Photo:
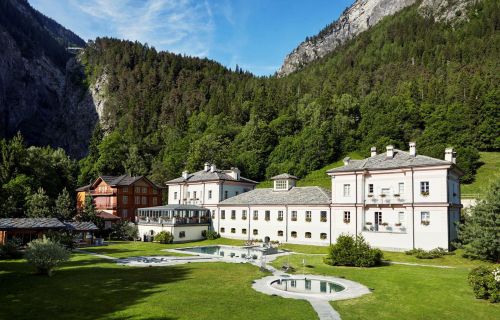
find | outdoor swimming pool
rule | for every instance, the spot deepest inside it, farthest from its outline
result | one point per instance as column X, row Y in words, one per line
column 251, row 252
column 307, row 286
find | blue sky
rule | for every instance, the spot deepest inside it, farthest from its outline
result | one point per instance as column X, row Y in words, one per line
column 255, row 34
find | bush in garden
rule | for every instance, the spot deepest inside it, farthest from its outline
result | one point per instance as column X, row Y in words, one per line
column 431, row 254
column 46, row 255
column 124, row 230
column 210, row 234
column 353, row 251
column 11, row 249
column 485, row 282
column 62, row 237
column 164, row 237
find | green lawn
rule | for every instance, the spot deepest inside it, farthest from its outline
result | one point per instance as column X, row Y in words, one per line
column 485, row 174
column 91, row 288
column 87, row 287
column 403, row 292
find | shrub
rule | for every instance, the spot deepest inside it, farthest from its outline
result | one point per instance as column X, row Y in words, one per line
column 164, row 237
column 210, row 234
column 46, row 255
column 11, row 249
column 485, row 282
column 431, row 254
column 62, row 237
column 353, row 251
column 124, row 230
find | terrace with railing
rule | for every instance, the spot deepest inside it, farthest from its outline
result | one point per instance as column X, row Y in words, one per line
column 173, row 215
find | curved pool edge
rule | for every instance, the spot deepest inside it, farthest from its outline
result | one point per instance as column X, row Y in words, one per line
column 351, row 289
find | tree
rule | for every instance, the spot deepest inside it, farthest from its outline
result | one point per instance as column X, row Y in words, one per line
column 45, row 255
column 38, row 205
column 64, row 208
column 164, row 237
column 481, row 228
column 353, row 251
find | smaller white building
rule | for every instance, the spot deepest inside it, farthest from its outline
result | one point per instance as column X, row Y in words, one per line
column 185, row 222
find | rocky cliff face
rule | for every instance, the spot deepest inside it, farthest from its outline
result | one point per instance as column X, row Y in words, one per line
column 41, row 85
column 362, row 15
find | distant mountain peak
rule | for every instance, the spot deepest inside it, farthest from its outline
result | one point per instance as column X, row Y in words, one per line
column 359, row 17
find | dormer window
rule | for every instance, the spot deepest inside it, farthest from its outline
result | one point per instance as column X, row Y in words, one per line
column 284, row 182
column 280, row 185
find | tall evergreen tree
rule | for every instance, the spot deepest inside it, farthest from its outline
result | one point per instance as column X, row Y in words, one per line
column 38, row 205
column 64, row 208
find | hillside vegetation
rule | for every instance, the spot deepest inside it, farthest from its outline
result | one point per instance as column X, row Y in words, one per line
column 486, row 174
column 408, row 78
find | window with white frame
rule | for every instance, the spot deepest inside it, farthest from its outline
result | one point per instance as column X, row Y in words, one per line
column 308, row 235
column 424, row 187
column 233, row 214
column 280, row 233
column 223, row 214
column 182, row 234
column 347, row 190
column 280, row 184
column 255, row 232
column 385, row 191
column 267, row 216
column 323, row 216
column 294, row 234
column 401, row 218
column 175, row 195
column 222, row 230
column 370, row 188
column 213, row 214
column 243, row 214
column 137, row 200
column 378, row 218
column 233, row 230
column 194, row 194
column 308, row 216
column 323, row 236
column 209, row 194
column 137, row 189
column 425, row 218
column 256, row 214
column 188, row 195
column 347, row 217
column 280, row 215
column 243, row 231
column 144, row 190
column 401, row 188
column 294, row 215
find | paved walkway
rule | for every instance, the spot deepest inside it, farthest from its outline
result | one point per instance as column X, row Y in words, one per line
column 96, row 254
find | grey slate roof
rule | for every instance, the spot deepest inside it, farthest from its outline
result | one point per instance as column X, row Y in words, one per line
column 80, row 226
column 267, row 196
column 400, row 159
column 84, row 188
column 175, row 207
column 284, row 176
column 203, row 175
column 30, row 223
column 123, row 180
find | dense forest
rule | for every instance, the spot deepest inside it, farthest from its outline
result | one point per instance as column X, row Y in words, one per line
column 408, row 78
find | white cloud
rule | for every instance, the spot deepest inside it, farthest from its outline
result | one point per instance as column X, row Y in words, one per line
column 181, row 26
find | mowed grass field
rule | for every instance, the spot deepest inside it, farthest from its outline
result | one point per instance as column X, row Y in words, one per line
column 88, row 287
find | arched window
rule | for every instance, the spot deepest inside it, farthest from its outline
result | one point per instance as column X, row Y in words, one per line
column 308, row 235
column 294, row 234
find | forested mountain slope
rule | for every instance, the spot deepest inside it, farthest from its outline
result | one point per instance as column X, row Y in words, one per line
column 408, row 78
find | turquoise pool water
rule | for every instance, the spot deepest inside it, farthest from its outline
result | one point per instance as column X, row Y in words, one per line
column 307, row 286
column 252, row 253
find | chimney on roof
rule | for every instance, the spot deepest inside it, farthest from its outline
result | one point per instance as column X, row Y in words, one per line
column 449, row 155
column 207, row 166
column 413, row 149
column 235, row 173
column 213, row 168
column 185, row 174
column 346, row 161
column 373, row 151
column 390, row 151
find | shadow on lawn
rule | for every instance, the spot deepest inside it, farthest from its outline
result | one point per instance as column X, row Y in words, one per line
column 85, row 292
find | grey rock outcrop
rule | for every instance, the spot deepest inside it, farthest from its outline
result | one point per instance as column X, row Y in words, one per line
column 362, row 15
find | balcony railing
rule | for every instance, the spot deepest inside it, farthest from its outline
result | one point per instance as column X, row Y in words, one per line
column 394, row 228
column 103, row 193
column 173, row 221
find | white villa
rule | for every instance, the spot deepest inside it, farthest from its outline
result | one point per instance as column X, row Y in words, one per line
column 397, row 200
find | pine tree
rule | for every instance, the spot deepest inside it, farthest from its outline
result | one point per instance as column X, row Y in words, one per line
column 38, row 205
column 481, row 231
column 64, row 208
